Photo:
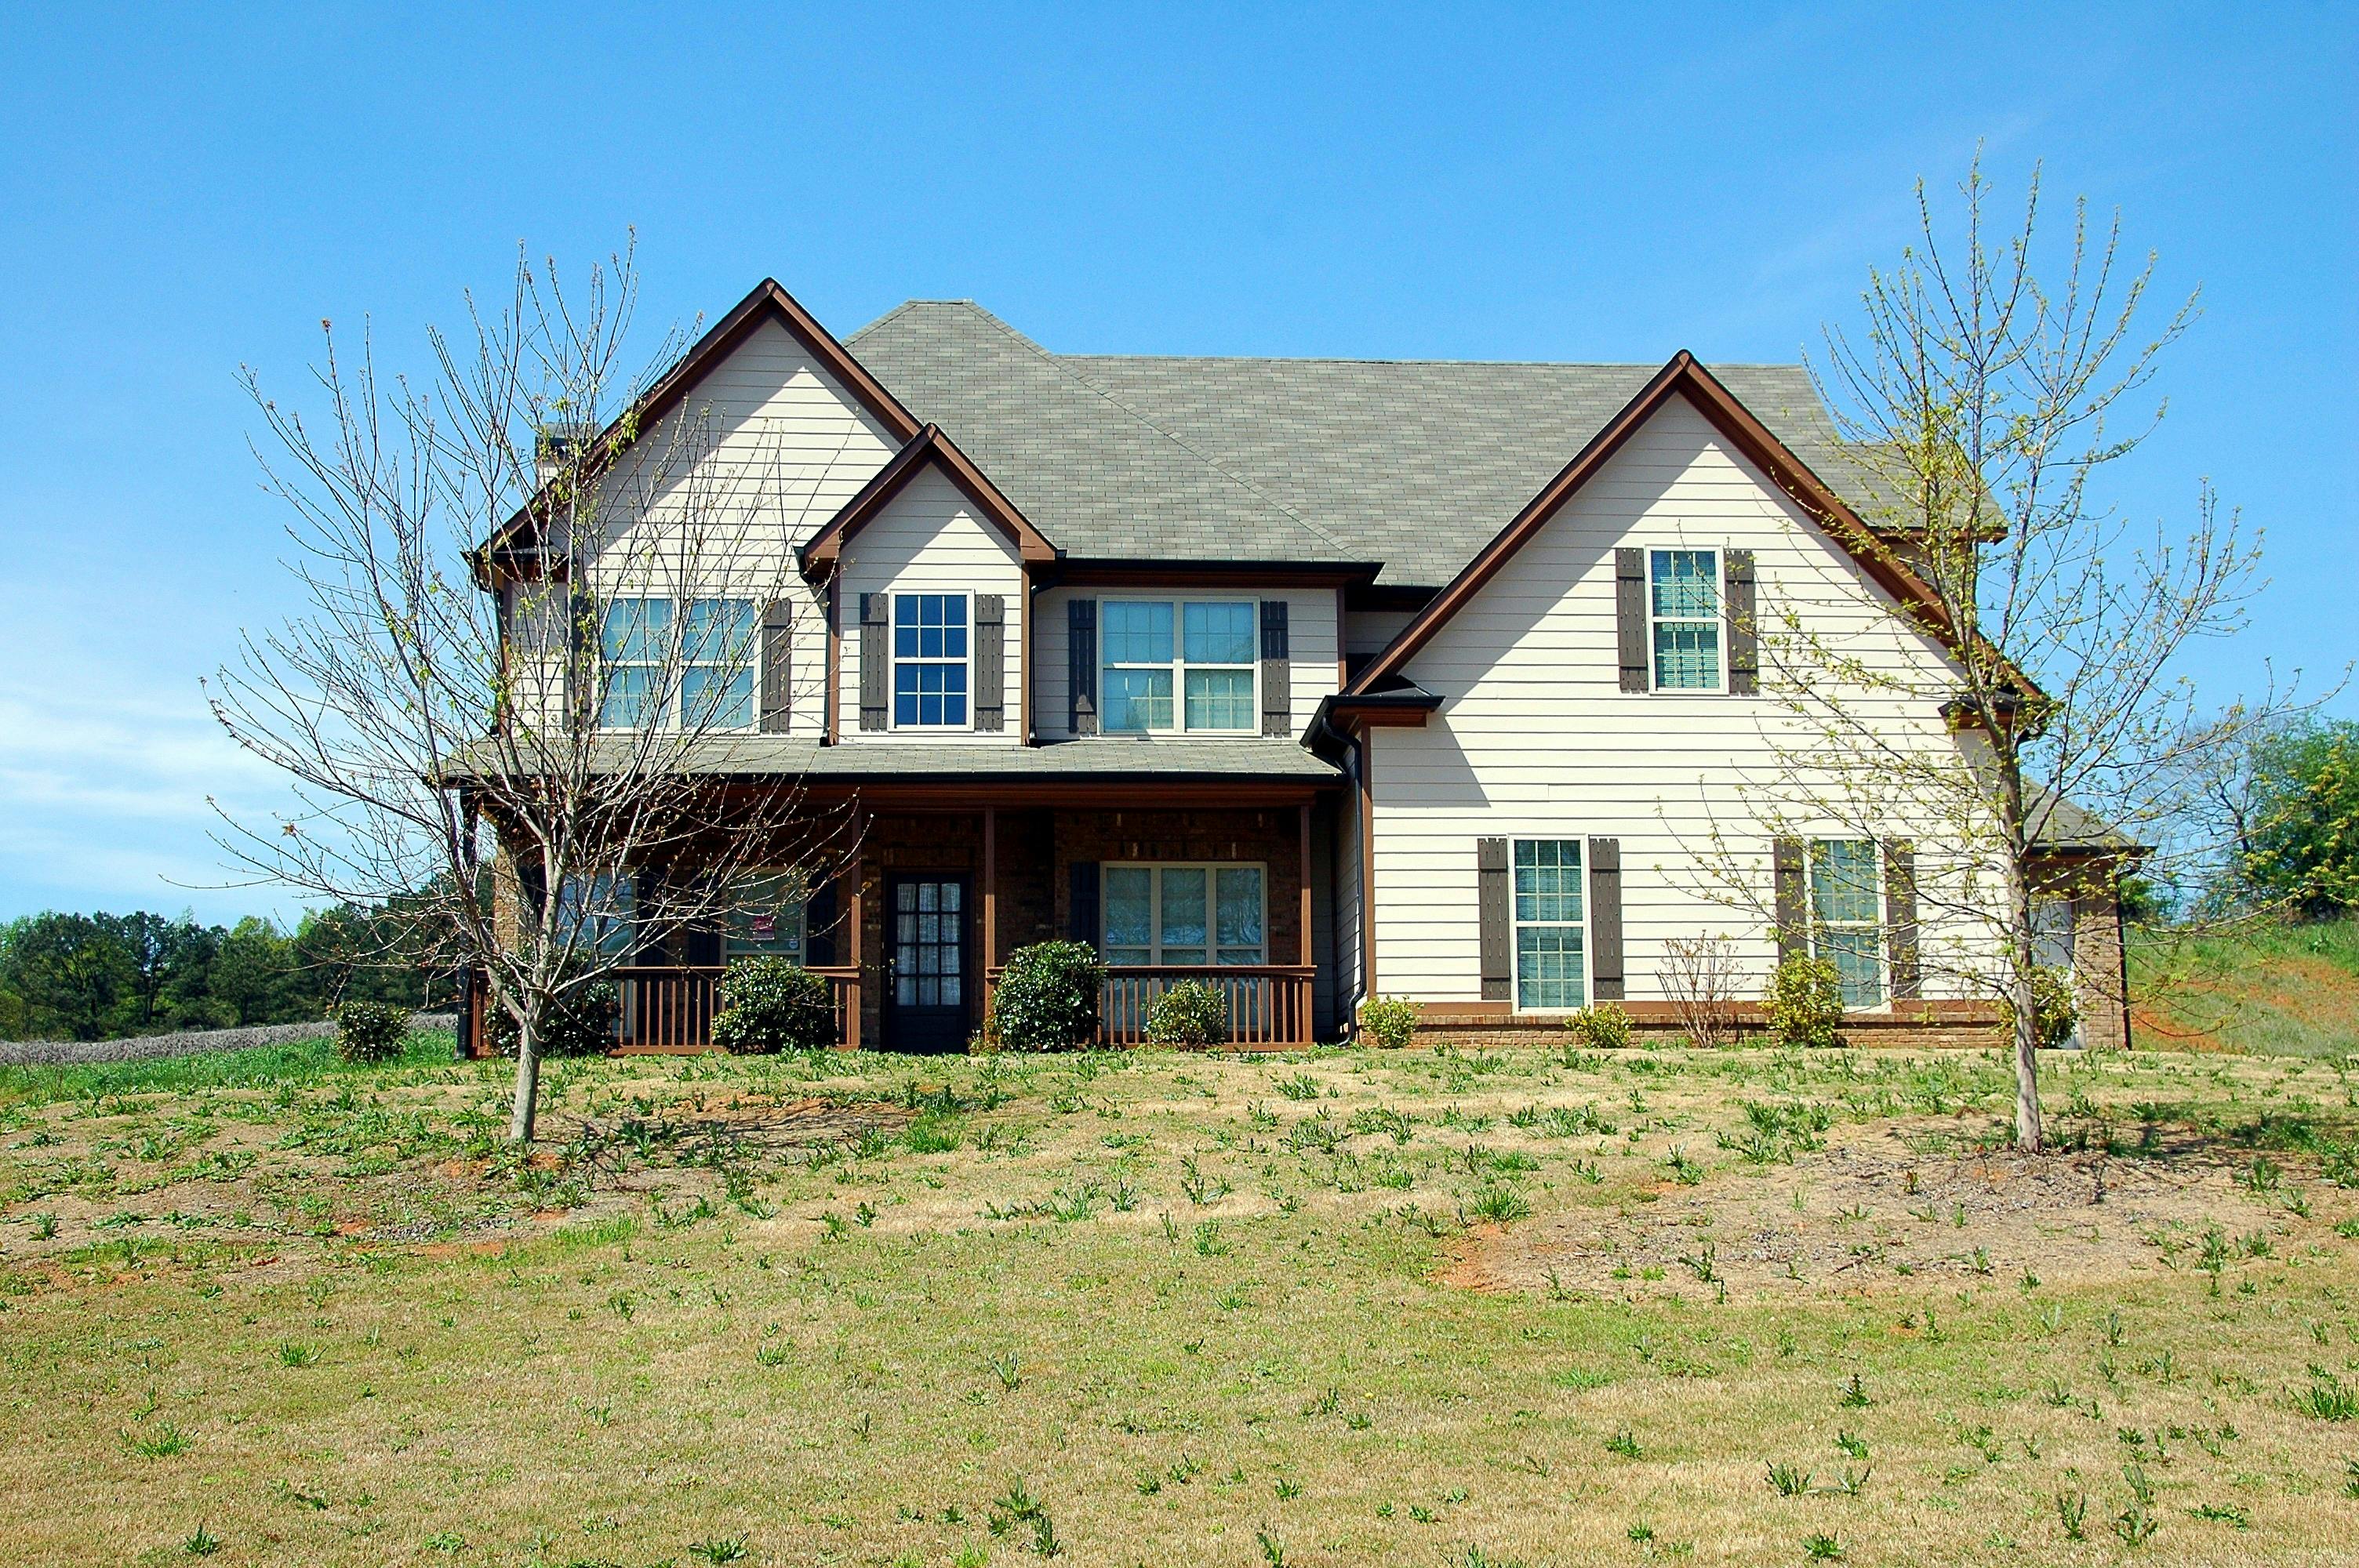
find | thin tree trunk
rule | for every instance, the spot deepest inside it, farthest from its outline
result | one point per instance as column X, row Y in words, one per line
column 527, row 1081
column 2023, row 1002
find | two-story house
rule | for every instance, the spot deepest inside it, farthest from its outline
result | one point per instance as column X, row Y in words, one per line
column 1321, row 679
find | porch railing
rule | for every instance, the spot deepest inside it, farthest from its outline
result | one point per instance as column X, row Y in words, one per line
column 668, row 1008
column 1269, row 1004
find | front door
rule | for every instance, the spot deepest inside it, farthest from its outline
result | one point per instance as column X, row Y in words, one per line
column 925, row 962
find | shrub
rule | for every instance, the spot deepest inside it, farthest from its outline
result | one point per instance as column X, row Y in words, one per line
column 1604, row 1027
column 1047, row 999
column 582, row 1023
column 370, row 1030
column 1389, row 1021
column 1193, row 1013
column 1805, row 1002
column 2055, row 1012
column 769, row 1004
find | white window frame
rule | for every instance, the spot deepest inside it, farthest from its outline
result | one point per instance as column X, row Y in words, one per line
column 796, row 897
column 1178, row 664
column 1517, row 924
column 670, row 652
column 1717, row 621
column 1873, row 925
column 894, row 660
column 1212, row 870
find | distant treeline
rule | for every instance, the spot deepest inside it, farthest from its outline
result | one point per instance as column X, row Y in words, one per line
column 101, row 976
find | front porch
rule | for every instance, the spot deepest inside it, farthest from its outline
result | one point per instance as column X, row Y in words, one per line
column 914, row 934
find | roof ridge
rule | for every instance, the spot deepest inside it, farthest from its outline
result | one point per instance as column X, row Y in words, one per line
column 1647, row 366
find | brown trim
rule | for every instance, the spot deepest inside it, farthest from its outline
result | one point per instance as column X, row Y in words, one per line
column 1373, row 715
column 990, row 888
column 1024, row 671
column 930, row 447
column 1206, row 574
column 834, row 660
column 1343, row 673
column 1682, row 377
column 1367, row 865
column 1389, row 595
column 766, row 302
column 970, row 795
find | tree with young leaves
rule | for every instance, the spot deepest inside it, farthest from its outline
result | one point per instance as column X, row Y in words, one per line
column 1994, row 379
column 482, row 673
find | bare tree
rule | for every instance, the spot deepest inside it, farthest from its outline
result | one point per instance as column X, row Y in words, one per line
column 1699, row 979
column 533, row 627
column 1980, row 404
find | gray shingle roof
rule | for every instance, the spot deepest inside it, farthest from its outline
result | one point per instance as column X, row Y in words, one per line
column 1413, row 463
column 1113, row 758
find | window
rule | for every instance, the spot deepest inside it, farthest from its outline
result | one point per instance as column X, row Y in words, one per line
column 1846, row 926
column 1183, row 915
column 1550, row 970
column 1203, row 653
column 596, row 912
column 716, row 681
column 1683, row 612
column 634, row 640
column 768, row 916
column 714, row 660
column 929, row 660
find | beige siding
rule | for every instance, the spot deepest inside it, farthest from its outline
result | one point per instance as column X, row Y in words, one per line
column 1311, row 647
column 1366, row 631
column 931, row 540
column 1536, row 739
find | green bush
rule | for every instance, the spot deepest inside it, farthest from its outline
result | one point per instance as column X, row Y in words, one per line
column 769, row 1004
column 1603, row 1027
column 582, row 1023
column 370, row 1030
column 1047, row 999
column 1193, row 1013
column 1805, row 1002
column 1388, row 1021
column 2053, row 1006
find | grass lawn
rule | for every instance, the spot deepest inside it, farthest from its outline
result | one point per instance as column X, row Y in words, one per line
column 1450, row 1306
column 2277, row 988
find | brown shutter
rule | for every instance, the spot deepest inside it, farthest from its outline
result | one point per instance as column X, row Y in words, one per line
column 876, row 664
column 1605, row 919
column 1081, row 904
column 1743, row 628
column 778, row 650
column 1630, row 616
column 1786, row 859
column 1900, row 918
column 583, row 660
column 990, row 662
column 1491, row 900
column 1081, row 666
column 1277, row 671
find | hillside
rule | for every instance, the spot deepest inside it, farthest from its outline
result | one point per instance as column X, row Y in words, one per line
column 2291, row 988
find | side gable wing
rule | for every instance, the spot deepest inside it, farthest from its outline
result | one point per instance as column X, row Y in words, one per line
column 1682, row 377
column 931, row 448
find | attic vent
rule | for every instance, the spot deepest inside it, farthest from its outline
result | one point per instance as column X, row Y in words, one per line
column 554, row 447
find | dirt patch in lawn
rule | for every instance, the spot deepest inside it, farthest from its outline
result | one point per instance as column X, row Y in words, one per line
column 1881, row 1206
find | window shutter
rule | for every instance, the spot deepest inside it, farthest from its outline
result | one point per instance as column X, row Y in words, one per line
column 1082, row 907
column 1786, row 859
column 818, row 925
column 1081, row 666
column 1900, row 918
column 876, row 665
column 990, row 662
column 777, row 648
column 1277, row 671
column 1743, row 627
column 646, row 893
column 1491, row 900
column 1630, row 616
column 580, row 659
column 1605, row 919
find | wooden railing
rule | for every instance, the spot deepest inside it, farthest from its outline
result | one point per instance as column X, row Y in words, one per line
column 1269, row 1004
column 671, row 1008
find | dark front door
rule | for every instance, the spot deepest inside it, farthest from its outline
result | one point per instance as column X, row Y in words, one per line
column 926, row 951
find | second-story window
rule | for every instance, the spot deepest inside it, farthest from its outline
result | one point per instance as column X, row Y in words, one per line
column 929, row 661
column 1683, row 608
column 698, row 673
column 1178, row 664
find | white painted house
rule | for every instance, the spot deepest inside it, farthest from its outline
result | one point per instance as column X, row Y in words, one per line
column 1323, row 679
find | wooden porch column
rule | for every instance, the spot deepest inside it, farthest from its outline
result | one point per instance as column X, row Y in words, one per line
column 1304, row 834
column 1304, row 990
column 990, row 888
column 858, row 908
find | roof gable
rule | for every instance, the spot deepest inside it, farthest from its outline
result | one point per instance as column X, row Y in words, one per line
column 931, row 448
column 1684, row 377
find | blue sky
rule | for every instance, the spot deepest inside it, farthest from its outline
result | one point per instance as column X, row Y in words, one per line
column 185, row 191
